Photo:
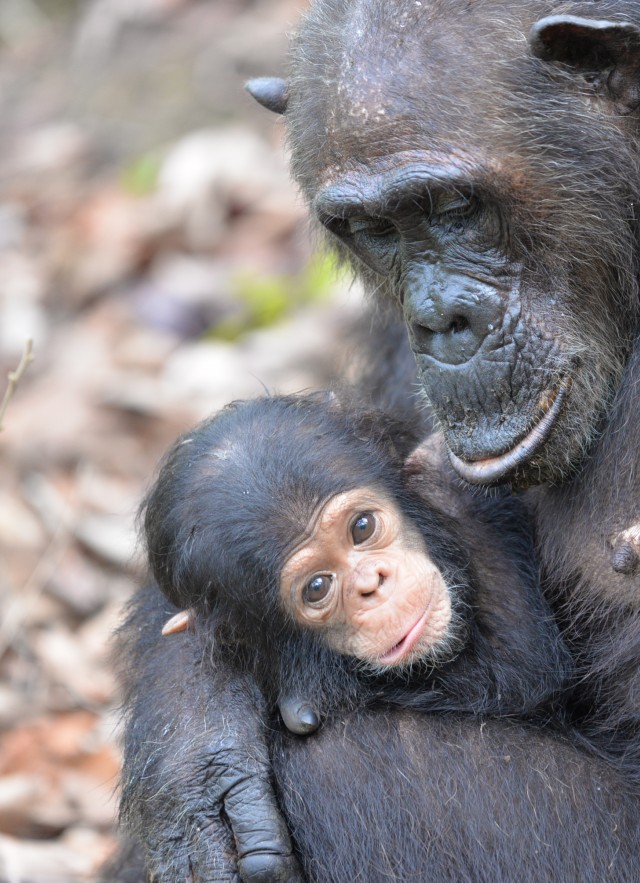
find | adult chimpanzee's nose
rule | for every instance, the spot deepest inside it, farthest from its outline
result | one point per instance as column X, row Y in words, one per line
column 448, row 314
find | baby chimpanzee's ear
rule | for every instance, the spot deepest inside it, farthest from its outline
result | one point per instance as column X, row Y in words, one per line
column 428, row 456
column 181, row 622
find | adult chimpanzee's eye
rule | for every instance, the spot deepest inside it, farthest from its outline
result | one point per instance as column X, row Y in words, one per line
column 377, row 228
column 456, row 205
column 455, row 208
column 363, row 528
column 375, row 240
column 317, row 589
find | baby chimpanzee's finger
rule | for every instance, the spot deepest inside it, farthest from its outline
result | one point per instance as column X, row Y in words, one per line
column 299, row 716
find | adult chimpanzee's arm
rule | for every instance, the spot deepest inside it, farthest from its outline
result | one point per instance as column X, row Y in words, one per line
column 197, row 792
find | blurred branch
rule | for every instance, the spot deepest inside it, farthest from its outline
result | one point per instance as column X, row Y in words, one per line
column 15, row 377
column 15, row 610
column 56, row 514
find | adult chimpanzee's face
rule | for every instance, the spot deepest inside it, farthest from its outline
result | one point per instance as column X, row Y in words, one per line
column 479, row 188
column 495, row 371
column 363, row 577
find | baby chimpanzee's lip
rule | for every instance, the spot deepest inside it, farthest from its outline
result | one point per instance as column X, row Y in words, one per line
column 404, row 646
column 495, row 469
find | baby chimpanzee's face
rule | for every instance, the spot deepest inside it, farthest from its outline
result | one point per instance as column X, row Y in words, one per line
column 363, row 576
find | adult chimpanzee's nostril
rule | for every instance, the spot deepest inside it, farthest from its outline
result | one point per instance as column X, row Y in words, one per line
column 421, row 337
column 458, row 324
column 449, row 315
column 455, row 344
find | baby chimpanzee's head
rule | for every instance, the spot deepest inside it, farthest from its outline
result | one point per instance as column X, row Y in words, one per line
column 291, row 514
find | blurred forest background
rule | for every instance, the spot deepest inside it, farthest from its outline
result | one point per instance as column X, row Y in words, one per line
column 154, row 250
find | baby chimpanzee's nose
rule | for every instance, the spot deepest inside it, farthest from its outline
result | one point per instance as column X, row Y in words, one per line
column 369, row 576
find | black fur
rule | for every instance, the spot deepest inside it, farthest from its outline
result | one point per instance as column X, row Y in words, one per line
column 372, row 796
column 452, row 799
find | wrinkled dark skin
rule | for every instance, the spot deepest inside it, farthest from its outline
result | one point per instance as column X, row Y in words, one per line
column 478, row 164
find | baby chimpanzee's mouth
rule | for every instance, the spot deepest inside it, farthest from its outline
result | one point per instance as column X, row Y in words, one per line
column 494, row 469
column 400, row 650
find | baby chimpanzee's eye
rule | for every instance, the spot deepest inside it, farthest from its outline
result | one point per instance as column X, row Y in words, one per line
column 317, row 588
column 363, row 528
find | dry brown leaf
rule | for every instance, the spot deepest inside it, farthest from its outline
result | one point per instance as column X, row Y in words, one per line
column 56, row 772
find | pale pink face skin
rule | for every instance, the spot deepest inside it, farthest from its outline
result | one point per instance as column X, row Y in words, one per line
column 365, row 578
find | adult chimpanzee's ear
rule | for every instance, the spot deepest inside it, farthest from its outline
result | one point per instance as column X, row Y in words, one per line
column 270, row 92
column 608, row 51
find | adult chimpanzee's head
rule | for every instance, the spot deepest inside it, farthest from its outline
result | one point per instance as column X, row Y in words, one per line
column 478, row 161
column 290, row 515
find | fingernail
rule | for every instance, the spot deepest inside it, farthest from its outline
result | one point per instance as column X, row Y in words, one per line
column 308, row 717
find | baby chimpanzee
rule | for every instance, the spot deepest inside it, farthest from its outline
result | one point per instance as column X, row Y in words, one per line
column 338, row 561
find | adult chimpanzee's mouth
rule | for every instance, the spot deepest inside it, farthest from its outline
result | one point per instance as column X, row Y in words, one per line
column 404, row 646
column 494, row 469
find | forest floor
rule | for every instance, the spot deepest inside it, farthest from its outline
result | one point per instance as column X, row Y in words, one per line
column 155, row 252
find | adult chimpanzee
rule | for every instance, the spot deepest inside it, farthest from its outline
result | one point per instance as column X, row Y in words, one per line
column 333, row 572
column 479, row 162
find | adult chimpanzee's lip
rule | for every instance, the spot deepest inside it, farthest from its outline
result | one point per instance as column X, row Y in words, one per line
column 493, row 469
column 404, row 646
